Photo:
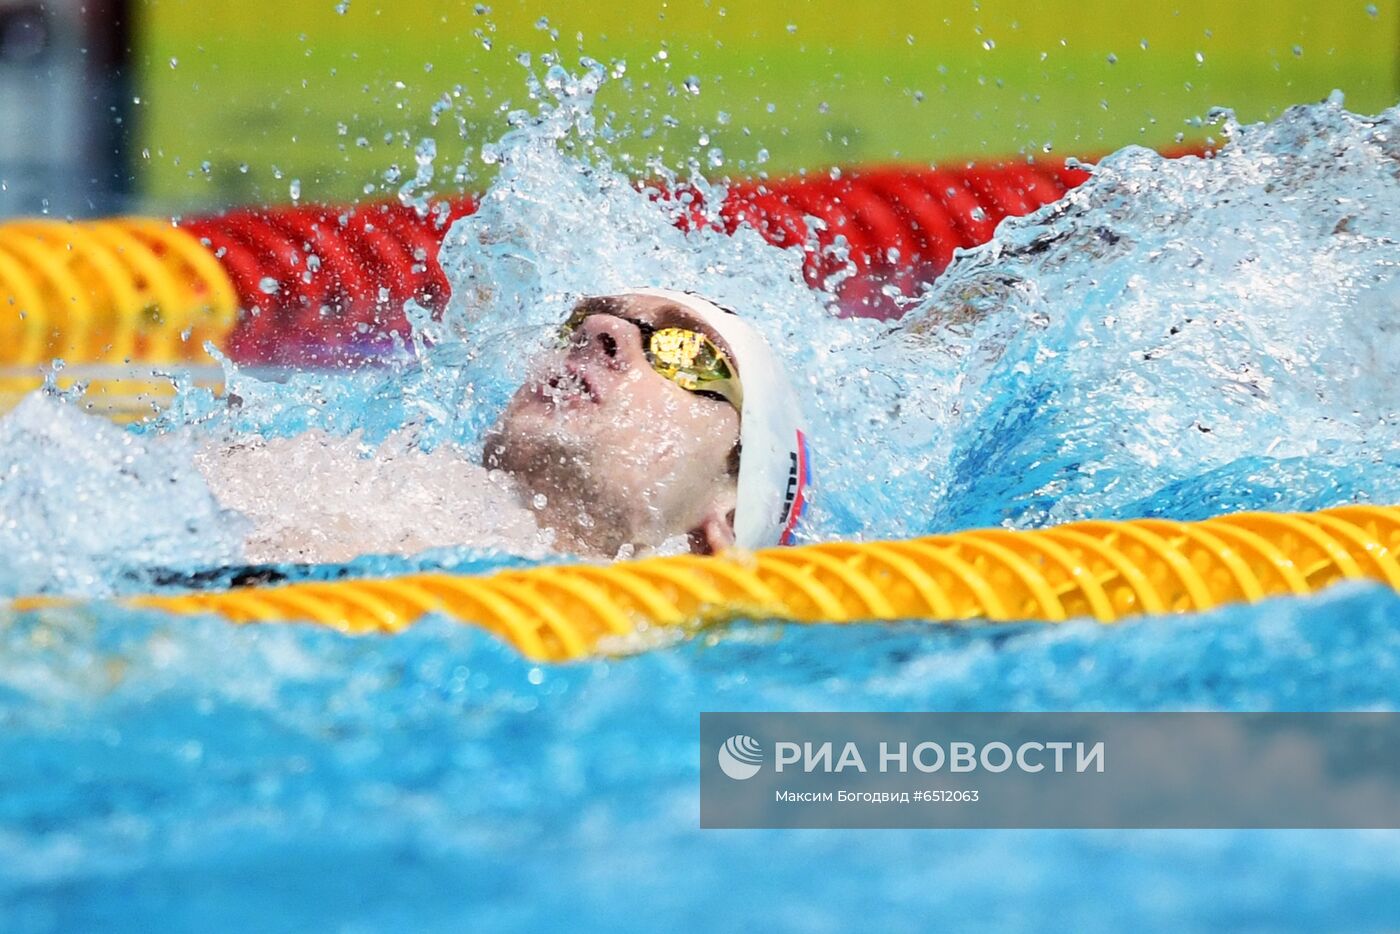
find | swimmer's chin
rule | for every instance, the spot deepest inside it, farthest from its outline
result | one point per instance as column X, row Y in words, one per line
column 564, row 543
column 569, row 529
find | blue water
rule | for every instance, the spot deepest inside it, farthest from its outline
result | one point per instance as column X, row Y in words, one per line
column 163, row 774
column 1173, row 339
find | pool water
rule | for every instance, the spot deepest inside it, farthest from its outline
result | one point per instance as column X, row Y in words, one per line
column 1173, row 339
column 165, row 773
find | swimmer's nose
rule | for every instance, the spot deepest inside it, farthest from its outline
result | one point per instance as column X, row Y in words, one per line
column 617, row 341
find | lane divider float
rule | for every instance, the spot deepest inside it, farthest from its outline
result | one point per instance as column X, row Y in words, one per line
column 110, row 295
column 1102, row 570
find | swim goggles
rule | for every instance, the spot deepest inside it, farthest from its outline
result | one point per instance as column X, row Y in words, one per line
column 686, row 357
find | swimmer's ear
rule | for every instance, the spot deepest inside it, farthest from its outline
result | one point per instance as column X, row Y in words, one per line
column 714, row 534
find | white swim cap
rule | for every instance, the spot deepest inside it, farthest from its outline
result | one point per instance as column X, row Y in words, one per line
column 774, row 472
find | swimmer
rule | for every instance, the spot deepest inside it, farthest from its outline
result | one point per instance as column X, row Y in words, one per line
column 657, row 422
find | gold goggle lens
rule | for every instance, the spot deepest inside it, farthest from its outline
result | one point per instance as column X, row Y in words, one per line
column 693, row 361
column 687, row 351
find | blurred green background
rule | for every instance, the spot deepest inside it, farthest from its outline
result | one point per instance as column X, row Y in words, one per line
column 266, row 100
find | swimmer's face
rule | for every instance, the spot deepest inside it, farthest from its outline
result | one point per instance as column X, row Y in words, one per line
column 620, row 454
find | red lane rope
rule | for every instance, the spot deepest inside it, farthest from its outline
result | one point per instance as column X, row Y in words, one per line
column 325, row 283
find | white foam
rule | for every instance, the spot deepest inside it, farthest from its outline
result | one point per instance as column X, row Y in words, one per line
column 82, row 501
column 318, row 498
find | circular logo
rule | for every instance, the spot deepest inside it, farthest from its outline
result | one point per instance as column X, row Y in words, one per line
column 740, row 757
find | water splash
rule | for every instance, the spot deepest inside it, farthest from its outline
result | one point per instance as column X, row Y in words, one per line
column 84, row 503
column 1174, row 338
column 1228, row 323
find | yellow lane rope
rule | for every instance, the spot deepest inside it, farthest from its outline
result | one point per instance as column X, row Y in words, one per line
column 108, row 293
column 1102, row 570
